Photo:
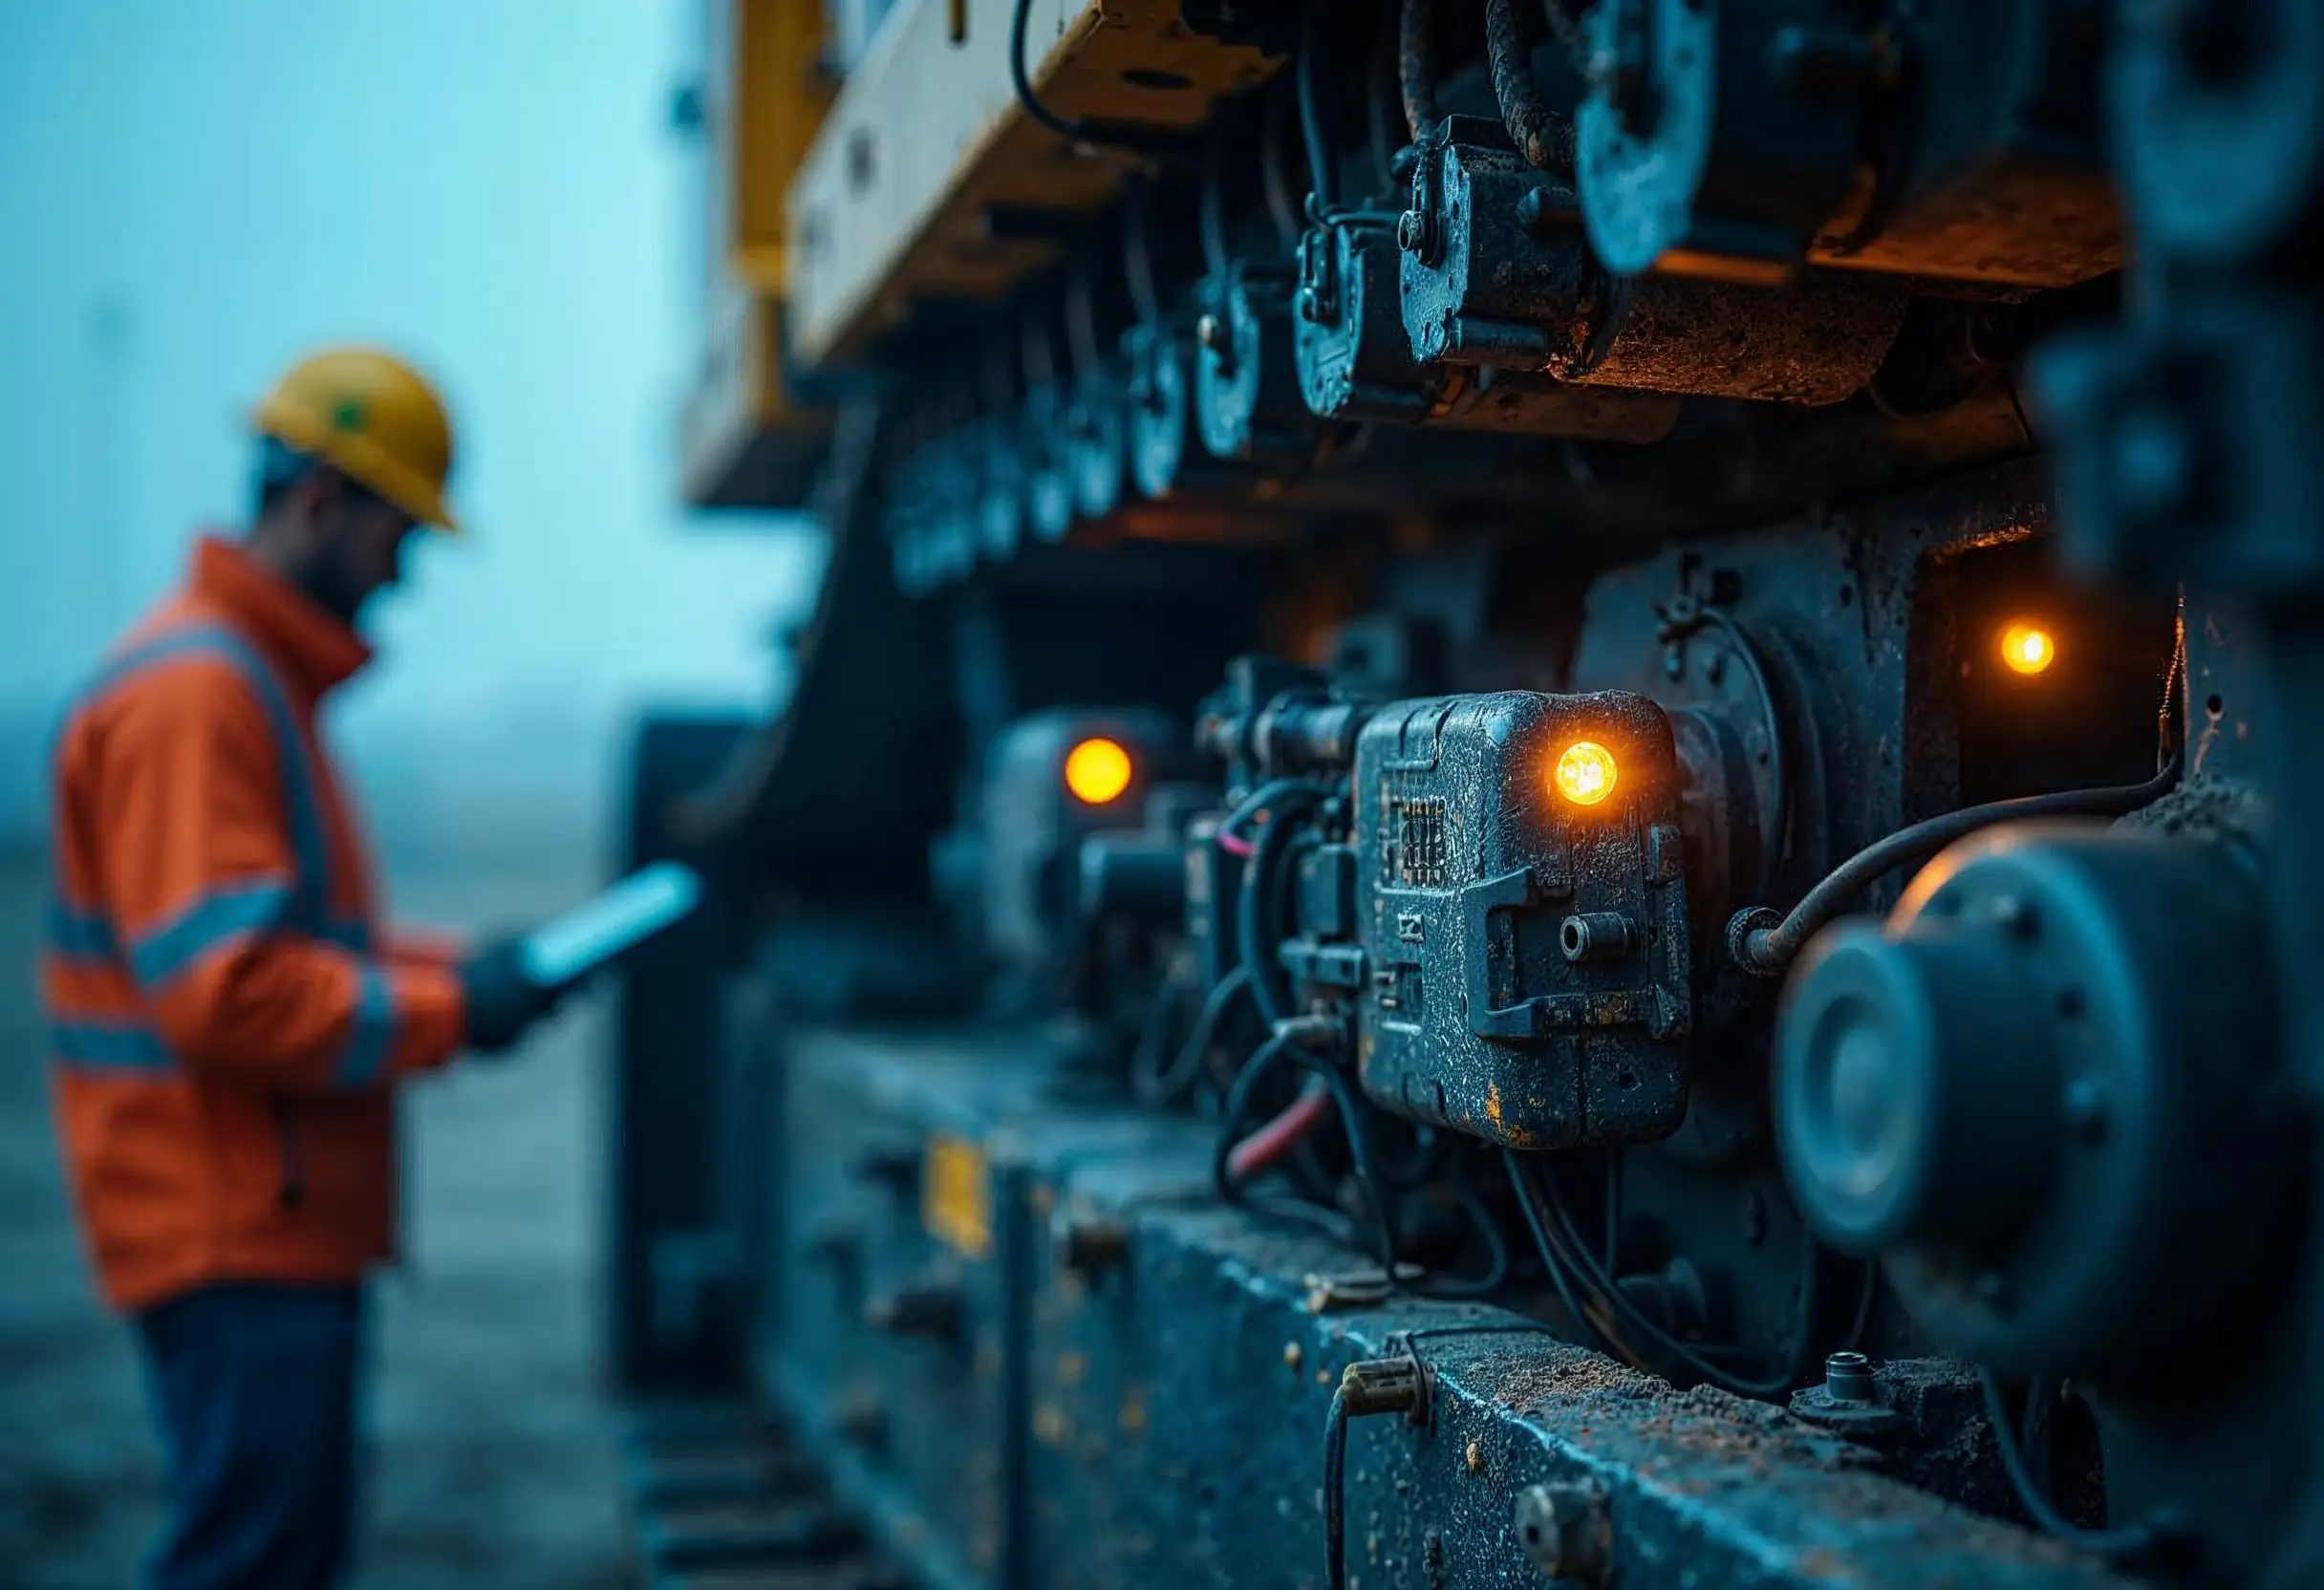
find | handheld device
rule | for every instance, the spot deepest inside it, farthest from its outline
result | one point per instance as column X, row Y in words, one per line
column 650, row 901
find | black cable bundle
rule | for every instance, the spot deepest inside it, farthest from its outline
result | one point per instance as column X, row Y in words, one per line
column 1581, row 1283
column 1281, row 1050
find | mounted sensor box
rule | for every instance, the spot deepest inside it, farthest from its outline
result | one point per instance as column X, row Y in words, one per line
column 1052, row 780
column 1523, row 917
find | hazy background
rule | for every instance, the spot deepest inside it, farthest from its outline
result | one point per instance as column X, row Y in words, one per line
column 191, row 194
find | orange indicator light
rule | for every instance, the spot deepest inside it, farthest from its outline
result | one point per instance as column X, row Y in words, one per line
column 2027, row 649
column 1585, row 773
column 1097, row 771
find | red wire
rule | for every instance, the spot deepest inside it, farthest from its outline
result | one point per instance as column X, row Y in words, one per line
column 1269, row 1145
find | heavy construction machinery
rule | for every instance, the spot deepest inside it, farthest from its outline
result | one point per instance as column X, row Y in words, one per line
column 1546, row 818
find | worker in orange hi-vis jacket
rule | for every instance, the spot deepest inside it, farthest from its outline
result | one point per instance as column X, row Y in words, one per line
column 227, row 1024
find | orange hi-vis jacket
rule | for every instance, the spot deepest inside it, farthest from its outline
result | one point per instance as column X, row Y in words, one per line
column 226, row 1027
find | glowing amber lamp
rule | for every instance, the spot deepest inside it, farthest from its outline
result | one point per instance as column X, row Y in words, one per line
column 1585, row 773
column 2027, row 649
column 1097, row 771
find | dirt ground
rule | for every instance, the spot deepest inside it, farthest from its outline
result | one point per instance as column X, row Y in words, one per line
column 492, row 1458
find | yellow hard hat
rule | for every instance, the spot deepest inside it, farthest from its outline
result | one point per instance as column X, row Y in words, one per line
column 372, row 416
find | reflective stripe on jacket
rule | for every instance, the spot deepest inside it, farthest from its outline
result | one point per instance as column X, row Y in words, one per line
column 223, row 1027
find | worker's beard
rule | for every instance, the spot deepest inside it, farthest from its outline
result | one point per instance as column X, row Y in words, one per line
column 330, row 580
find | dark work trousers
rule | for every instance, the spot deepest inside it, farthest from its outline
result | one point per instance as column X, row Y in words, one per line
column 254, row 1389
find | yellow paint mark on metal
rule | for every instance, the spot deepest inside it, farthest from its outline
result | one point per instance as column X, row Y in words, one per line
column 1070, row 1368
column 1474, row 1457
column 1049, row 1426
column 776, row 96
column 1292, row 1354
column 1133, row 1409
column 1492, row 1102
column 956, row 1197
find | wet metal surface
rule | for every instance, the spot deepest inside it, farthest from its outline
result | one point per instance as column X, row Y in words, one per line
column 1171, row 1430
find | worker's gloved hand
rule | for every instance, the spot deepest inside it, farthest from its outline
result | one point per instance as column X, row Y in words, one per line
column 503, row 999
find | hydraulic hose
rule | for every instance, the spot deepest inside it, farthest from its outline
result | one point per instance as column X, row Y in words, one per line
column 1416, row 67
column 1765, row 943
column 1315, row 117
column 1544, row 138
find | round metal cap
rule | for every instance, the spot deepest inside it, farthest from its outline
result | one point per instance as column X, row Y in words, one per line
column 1913, row 1096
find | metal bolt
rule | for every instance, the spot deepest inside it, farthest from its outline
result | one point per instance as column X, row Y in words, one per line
column 1595, row 936
column 1848, row 1403
column 1310, row 306
column 1567, row 1528
column 1210, row 332
column 1847, row 1377
column 1412, row 230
